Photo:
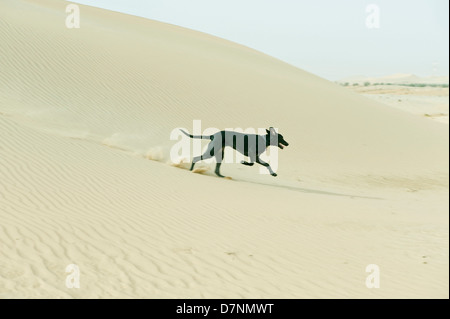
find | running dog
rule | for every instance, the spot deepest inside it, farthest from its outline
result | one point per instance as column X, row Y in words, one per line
column 250, row 145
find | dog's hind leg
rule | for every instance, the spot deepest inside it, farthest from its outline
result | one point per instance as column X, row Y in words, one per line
column 217, row 171
column 206, row 155
column 247, row 163
column 195, row 160
column 219, row 158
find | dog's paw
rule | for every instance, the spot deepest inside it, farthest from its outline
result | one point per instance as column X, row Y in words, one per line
column 246, row 163
column 274, row 175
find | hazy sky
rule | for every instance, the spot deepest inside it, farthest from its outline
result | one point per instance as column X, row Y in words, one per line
column 326, row 37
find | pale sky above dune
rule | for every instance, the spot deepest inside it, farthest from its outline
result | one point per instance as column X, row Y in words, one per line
column 328, row 38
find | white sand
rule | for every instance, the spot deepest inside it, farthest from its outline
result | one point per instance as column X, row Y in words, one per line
column 82, row 109
column 430, row 102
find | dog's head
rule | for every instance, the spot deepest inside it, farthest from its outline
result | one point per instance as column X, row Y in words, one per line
column 276, row 139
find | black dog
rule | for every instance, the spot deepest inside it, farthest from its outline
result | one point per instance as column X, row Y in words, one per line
column 251, row 145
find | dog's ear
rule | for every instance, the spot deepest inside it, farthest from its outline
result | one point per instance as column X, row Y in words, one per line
column 272, row 131
column 268, row 132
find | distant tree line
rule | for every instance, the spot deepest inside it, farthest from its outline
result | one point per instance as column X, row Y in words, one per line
column 416, row 85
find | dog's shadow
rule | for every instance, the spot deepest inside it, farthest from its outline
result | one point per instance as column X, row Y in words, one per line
column 308, row 190
column 206, row 170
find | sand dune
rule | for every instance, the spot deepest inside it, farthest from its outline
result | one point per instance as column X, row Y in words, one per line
column 429, row 102
column 86, row 179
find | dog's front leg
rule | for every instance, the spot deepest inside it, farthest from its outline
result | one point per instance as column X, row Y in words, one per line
column 247, row 163
column 252, row 158
column 267, row 165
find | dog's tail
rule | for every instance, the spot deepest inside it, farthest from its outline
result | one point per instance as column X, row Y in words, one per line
column 205, row 137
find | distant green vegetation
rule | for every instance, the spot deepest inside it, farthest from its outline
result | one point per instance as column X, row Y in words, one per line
column 422, row 85
column 416, row 85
